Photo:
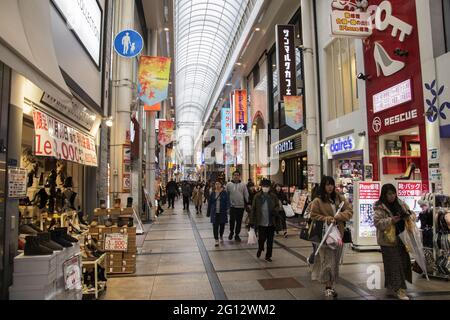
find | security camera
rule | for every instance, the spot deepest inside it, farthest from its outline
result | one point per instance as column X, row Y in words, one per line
column 362, row 76
column 401, row 53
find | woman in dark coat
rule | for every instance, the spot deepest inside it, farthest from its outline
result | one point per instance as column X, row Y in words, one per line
column 218, row 207
column 283, row 202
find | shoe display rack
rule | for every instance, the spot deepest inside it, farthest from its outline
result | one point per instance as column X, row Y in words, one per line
column 122, row 261
column 97, row 284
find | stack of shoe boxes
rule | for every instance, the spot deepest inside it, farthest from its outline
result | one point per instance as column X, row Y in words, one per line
column 34, row 277
column 123, row 262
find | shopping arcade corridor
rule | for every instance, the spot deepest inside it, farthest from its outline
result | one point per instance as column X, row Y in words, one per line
column 177, row 260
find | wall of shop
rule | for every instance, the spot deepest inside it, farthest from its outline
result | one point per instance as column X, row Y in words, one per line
column 74, row 59
column 354, row 121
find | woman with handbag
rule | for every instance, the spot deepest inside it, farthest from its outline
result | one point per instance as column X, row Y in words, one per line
column 391, row 217
column 218, row 207
column 283, row 202
column 325, row 209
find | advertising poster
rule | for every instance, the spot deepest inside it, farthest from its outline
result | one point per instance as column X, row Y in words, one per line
column 293, row 108
column 240, row 111
column 166, row 132
column 349, row 19
column 72, row 274
column 116, row 242
column 154, row 74
column 17, row 183
column 56, row 139
column 368, row 194
column 299, row 201
column 226, row 125
column 368, row 172
column 126, row 182
column 410, row 192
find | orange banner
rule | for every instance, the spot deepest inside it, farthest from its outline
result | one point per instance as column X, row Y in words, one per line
column 155, row 107
column 166, row 132
column 240, row 111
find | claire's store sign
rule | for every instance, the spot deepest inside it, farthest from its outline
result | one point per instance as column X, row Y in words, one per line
column 287, row 79
column 55, row 139
column 342, row 145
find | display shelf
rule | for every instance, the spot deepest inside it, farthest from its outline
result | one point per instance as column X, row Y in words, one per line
column 399, row 164
column 95, row 264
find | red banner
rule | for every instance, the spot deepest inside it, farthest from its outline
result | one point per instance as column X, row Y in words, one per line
column 166, row 132
column 240, row 111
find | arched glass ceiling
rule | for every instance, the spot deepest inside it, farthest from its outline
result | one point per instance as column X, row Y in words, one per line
column 204, row 32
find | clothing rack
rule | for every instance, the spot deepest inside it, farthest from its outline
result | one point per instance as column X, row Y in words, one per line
column 431, row 198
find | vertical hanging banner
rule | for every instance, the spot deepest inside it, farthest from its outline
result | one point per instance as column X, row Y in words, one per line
column 287, row 79
column 293, row 109
column 226, row 125
column 240, row 111
column 154, row 74
column 166, row 132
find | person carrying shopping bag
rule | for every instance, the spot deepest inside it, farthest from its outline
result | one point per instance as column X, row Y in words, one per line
column 325, row 209
column 391, row 217
column 263, row 216
column 218, row 206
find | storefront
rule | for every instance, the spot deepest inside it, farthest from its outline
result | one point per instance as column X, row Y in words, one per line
column 345, row 154
column 395, row 102
column 293, row 163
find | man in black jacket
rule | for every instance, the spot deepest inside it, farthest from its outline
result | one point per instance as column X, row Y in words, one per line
column 263, row 216
column 187, row 193
column 172, row 191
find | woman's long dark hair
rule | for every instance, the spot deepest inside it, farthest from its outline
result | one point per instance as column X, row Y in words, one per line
column 323, row 193
column 394, row 207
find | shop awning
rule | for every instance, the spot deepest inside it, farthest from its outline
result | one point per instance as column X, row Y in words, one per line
column 26, row 45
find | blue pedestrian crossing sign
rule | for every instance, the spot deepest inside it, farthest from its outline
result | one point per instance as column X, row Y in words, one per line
column 128, row 43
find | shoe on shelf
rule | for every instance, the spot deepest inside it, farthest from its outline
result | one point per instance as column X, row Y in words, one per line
column 268, row 259
column 230, row 237
column 401, row 295
column 56, row 236
column 34, row 248
column 237, row 239
column 66, row 236
column 258, row 254
column 217, row 243
column 26, row 229
column 330, row 293
column 45, row 240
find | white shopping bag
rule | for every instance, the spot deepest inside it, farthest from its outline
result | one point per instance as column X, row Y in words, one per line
column 252, row 237
column 289, row 211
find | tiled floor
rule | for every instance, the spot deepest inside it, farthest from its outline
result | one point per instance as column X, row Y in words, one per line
column 177, row 260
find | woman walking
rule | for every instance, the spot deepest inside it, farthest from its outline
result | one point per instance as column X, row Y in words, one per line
column 283, row 202
column 307, row 214
column 218, row 207
column 324, row 208
column 391, row 218
column 197, row 197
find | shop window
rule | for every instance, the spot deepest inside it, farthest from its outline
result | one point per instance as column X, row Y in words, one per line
column 342, row 87
column 446, row 15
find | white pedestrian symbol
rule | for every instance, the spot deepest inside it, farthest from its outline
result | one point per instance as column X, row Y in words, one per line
column 133, row 47
column 126, row 41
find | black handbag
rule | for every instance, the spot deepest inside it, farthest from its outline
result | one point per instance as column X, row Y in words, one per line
column 313, row 232
column 347, row 238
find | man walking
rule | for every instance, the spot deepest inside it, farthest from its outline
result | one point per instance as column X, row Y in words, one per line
column 187, row 192
column 172, row 191
column 238, row 194
column 263, row 217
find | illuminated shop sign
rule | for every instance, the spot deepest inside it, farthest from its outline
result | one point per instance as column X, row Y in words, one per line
column 84, row 17
column 285, row 146
column 287, row 81
column 377, row 123
column 392, row 97
column 342, row 145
